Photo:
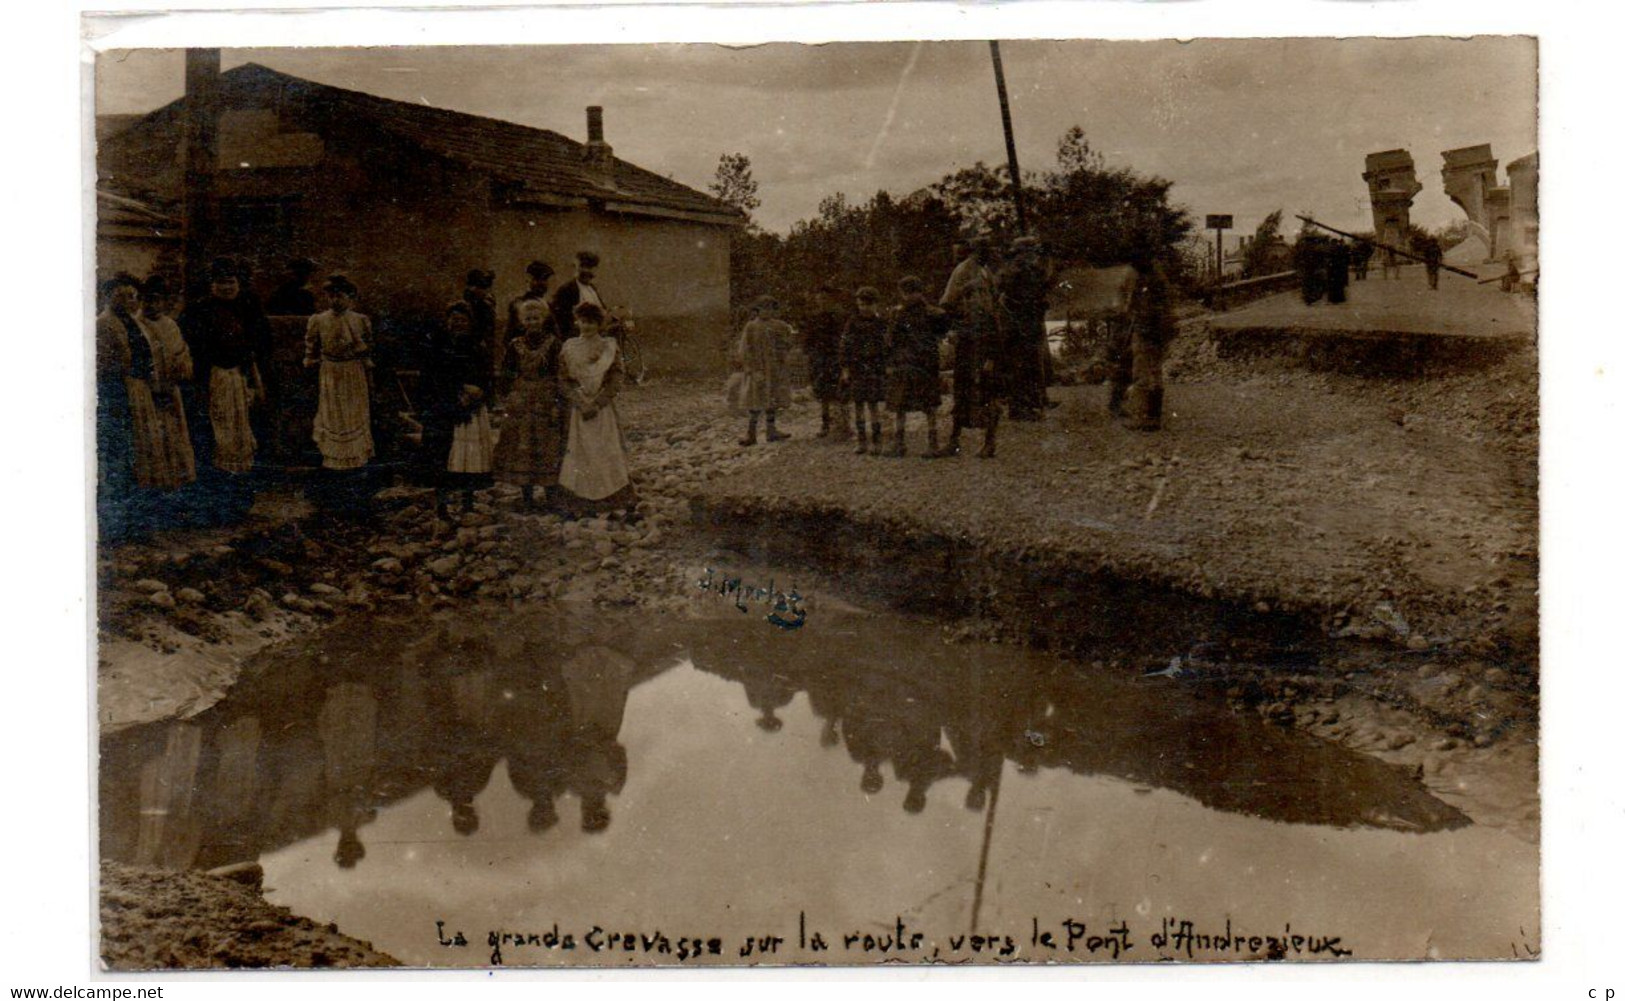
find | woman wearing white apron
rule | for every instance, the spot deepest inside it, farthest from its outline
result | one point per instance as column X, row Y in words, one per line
column 595, row 472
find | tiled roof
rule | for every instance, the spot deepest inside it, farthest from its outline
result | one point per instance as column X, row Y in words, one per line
column 538, row 161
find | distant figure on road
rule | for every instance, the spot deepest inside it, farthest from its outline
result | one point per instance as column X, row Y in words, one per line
column 1309, row 256
column 1337, row 272
column 1361, row 258
column 1513, row 278
column 1390, row 259
column 1432, row 257
column 863, row 366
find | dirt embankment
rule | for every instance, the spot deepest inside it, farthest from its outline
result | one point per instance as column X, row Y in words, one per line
column 154, row 919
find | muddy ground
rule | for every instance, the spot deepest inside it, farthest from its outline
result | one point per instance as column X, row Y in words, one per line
column 1387, row 528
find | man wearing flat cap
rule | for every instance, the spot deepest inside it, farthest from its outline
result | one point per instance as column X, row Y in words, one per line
column 582, row 288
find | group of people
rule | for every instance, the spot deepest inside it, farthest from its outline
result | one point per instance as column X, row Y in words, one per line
column 184, row 403
column 1324, row 264
column 556, row 373
column 991, row 313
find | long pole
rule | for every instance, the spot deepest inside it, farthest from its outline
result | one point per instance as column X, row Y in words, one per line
column 1009, row 139
column 197, row 194
column 1383, row 246
column 987, row 841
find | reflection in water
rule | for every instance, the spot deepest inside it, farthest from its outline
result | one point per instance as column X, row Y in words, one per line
column 387, row 735
column 953, row 711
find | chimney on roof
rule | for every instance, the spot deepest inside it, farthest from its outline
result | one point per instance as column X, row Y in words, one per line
column 600, row 156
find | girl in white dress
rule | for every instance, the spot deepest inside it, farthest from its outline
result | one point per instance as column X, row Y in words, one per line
column 340, row 341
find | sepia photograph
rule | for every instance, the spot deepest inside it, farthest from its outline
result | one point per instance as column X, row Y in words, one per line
column 924, row 502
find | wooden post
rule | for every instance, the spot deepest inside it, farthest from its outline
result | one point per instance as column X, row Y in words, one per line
column 1009, row 140
column 198, row 195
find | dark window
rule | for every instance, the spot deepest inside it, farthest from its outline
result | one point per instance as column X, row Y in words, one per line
column 257, row 220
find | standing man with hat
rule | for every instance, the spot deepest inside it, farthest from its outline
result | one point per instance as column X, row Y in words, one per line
column 970, row 301
column 576, row 291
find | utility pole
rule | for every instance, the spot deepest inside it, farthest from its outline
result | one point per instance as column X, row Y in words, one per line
column 197, row 193
column 1009, row 140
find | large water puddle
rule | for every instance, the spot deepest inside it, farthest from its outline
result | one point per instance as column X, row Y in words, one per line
column 546, row 788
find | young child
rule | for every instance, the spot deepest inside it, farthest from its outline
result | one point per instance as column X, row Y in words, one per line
column 912, row 380
column 863, row 366
column 761, row 353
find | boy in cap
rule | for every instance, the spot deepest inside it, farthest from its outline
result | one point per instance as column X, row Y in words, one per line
column 914, row 349
column 763, row 347
column 863, row 366
column 821, row 330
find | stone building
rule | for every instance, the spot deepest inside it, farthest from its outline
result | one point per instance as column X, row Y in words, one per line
column 1504, row 218
column 1391, row 178
column 407, row 198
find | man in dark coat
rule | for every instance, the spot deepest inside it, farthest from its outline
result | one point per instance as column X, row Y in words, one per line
column 1024, row 288
column 821, row 340
column 293, row 297
column 1337, row 272
column 482, row 310
column 1432, row 258
column 582, row 288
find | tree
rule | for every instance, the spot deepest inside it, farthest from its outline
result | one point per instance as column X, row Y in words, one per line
column 1073, row 153
column 1255, row 261
column 734, row 186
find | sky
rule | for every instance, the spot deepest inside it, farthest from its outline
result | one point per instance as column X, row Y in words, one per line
column 1241, row 126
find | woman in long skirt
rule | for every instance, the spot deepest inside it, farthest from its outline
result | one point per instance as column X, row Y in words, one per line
column 529, row 449
column 123, row 363
column 340, row 341
column 163, row 446
column 457, row 421
column 595, row 469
